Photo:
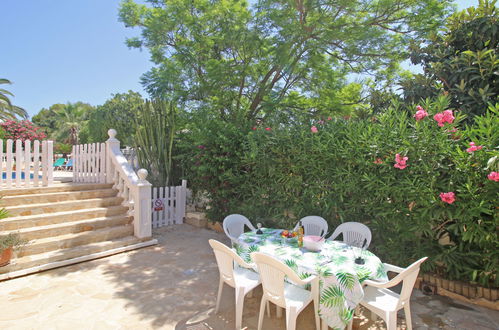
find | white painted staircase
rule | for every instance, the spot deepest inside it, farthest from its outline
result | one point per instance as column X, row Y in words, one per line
column 65, row 224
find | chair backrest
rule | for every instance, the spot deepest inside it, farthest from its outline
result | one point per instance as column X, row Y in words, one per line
column 234, row 225
column 225, row 261
column 272, row 273
column 354, row 233
column 408, row 278
column 69, row 163
column 313, row 225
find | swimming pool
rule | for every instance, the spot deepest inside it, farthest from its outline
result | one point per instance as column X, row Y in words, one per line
column 23, row 175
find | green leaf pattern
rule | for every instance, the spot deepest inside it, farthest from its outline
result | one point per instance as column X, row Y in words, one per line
column 339, row 277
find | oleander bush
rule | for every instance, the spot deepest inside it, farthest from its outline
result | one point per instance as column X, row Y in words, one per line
column 423, row 181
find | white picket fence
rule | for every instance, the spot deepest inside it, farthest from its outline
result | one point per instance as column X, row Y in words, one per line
column 89, row 163
column 168, row 205
column 31, row 164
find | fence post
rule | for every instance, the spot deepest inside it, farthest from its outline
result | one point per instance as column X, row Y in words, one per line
column 142, row 211
column 19, row 161
column 111, row 144
column 50, row 162
column 45, row 180
column 183, row 195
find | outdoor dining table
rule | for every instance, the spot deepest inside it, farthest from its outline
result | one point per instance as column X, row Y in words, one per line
column 340, row 276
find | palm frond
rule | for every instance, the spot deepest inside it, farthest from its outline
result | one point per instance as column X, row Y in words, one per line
column 346, row 279
column 346, row 315
column 332, row 296
column 291, row 264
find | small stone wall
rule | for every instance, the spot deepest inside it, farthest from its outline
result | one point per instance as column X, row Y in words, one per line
column 467, row 292
column 198, row 219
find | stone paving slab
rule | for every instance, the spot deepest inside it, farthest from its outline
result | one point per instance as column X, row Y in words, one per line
column 173, row 286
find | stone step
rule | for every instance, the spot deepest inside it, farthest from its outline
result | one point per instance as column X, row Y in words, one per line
column 54, row 197
column 73, row 227
column 20, row 222
column 34, row 209
column 67, row 241
column 43, row 261
column 55, row 188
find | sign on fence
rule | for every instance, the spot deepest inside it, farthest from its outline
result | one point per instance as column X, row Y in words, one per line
column 168, row 205
column 29, row 164
column 159, row 204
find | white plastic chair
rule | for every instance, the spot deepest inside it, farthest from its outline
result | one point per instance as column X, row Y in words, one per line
column 285, row 295
column 313, row 225
column 234, row 226
column 386, row 303
column 354, row 233
column 241, row 279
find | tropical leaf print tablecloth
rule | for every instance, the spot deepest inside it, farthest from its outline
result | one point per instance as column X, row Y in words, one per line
column 340, row 277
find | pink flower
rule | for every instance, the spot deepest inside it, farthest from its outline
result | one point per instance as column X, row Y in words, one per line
column 449, row 116
column 253, row 128
column 444, row 117
column 400, row 162
column 494, row 176
column 320, row 122
column 421, row 113
column 268, row 128
column 448, row 197
column 378, row 161
column 329, row 118
column 201, row 146
column 473, row 147
column 439, row 117
column 314, row 129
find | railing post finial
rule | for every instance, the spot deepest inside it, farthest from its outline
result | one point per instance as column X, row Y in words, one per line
column 142, row 174
column 112, row 133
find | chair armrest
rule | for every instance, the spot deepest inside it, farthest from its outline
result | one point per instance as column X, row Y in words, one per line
column 244, row 264
column 305, row 281
column 392, row 268
column 377, row 284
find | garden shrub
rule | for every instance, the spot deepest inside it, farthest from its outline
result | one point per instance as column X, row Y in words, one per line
column 440, row 201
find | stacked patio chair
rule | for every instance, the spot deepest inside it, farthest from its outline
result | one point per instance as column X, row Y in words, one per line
column 313, row 225
column 234, row 226
column 354, row 233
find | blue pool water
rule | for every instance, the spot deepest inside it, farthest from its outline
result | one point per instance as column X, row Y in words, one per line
column 23, row 175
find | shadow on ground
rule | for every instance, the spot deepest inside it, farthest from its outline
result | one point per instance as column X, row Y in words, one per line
column 173, row 285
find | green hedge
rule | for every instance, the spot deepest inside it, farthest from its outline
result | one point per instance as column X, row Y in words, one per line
column 345, row 172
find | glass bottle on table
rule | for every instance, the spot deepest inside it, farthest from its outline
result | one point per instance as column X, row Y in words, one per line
column 301, row 231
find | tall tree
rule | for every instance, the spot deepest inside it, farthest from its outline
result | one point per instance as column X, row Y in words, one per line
column 245, row 60
column 71, row 119
column 462, row 60
column 119, row 112
column 7, row 109
column 47, row 118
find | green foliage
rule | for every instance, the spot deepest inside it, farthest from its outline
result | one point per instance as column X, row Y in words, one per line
column 463, row 60
column 7, row 109
column 62, row 148
column 47, row 118
column 12, row 240
column 245, row 59
column 66, row 123
column 3, row 213
column 345, row 172
column 119, row 112
column 154, row 140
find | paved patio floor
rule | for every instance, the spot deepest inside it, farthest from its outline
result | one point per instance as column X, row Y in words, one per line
column 173, row 286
